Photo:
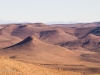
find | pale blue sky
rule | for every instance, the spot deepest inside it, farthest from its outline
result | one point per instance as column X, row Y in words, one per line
column 50, row 10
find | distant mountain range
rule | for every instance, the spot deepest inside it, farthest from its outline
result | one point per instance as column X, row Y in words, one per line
column 4, row 21
column 53, row 22
column 61, row 22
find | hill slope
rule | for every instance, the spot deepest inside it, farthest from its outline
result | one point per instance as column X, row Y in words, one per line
column 36, row 51
column 56, row 36
column 8, row 40
column 11, row 67
column 90, row 42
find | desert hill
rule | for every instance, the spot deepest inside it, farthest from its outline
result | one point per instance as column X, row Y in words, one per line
column 96, row 31
column 90, row 42
column 29, row 29
column 7, row 29
column 38, row 51
column 37, row 29
column 83, row 32
column 46, row 33
column 8, row 40
column 56, row 36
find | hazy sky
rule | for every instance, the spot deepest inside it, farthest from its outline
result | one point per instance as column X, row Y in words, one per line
column 50, row 10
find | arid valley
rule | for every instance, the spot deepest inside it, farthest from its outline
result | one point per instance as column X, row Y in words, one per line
column 57, row 49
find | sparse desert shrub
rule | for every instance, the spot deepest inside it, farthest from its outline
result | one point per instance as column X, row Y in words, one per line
column 13, row 57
